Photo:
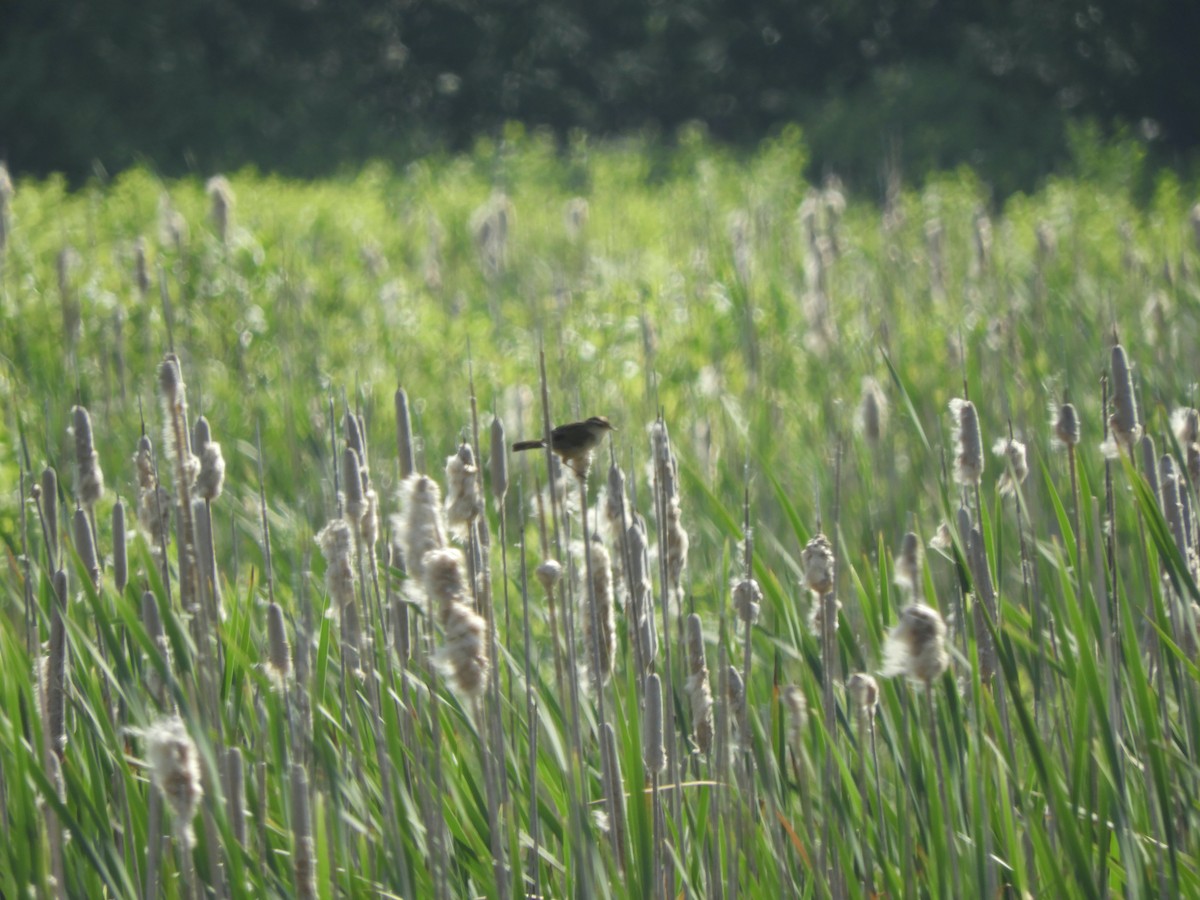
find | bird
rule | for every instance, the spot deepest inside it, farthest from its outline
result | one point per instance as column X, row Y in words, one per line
column 574, row 442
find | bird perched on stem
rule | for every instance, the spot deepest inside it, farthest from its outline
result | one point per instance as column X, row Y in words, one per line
column 573, row 442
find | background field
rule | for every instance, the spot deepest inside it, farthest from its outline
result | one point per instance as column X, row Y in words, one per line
column 746, row 307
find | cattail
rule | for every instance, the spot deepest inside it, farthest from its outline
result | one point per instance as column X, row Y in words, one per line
column 464, row 499
column 154, row 501
column 1065, row 423
column 50, row 509
column 735, row 696
column 336, row 541
column 1016, row 467
column 211, row 479
column 818, row 563
column 141, row 270
column 152, row 622
column 1185, row 423
column 120, row 551
column 677, row 544
column 85, row 545
column 175, row 770
column 499, row 461
column 1123, row 423
column 968, row 458
column 445, row 581
column 352, row 488
column 54, row 691
column 174, row 400
column 614, row 780
column 235, row 793
column 304, row 848
column 1172, row 506
column 575, row 217
column 872, row 415
column 864, row 693
column 942, row 539
column 697, row 687
column 642, row 599
column 908, row 564
column 368, row 525
column 548, row 574
column 1150, row 465
column 220, row 195
column 747, row 600
column 89, row 478
column 654, row 754
column 599, row 625
column 797, row 708
column 464, row 655
column 419, row 525
column 404, row 435
column 279, row 657
column 916, row 645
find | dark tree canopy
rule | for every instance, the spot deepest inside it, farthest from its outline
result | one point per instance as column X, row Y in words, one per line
column 307, row 86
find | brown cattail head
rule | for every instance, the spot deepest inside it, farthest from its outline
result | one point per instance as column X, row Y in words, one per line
column 871, row 418
column 419, row 526
column 201, row 435
column 1150, row 464
column 49, row 499
column 175, row 769
column 304, row 848
column 677, row 542
column 85, row 545
column 499, row 461
column 1065, row 422
column 120, row 553
column 968, row 445
column 818, row 562
column 153, row 501
column 235, row 786
column 735, row 689
column 279, row 656
column 916, row 646
column 548, row 574
column 653, row 752
column 1171, row 502
column 220, row 195
column 864, row 692
column 464, row 656
column 141, row 269
column 747, row 600
column 352, row 488
column 90, row 480
column 908, row 564
column 464, row 497
column 697, row 687
column 404, row 435
column 1016, row 466
column 1123, row 423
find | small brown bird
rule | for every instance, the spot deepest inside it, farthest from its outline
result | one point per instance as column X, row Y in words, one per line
column 573, row 442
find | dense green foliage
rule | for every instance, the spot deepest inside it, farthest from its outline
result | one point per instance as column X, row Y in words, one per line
column 747, row 307
column 305, row 86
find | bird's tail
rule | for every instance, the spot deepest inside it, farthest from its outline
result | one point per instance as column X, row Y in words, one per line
column 527, row 445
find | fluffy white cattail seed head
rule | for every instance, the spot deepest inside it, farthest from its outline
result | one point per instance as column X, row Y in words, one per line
column 175, row 770
column 464, row 497
column 463, row 656
column 419, row 525
column 968, row 445
column 337, row 545
column 864, row 692
column 697, row 687
column 1016, row 466
column 548, row 574
column 916, row 645
column 1185, row 424
column 211, row 480
column 445, row 579
column 599, row 623
column 818, row 563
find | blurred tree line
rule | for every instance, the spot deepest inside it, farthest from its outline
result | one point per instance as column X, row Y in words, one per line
column 307, row 86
